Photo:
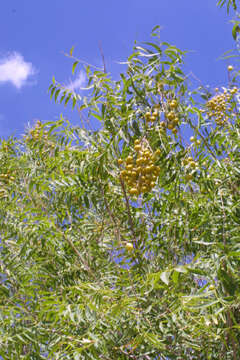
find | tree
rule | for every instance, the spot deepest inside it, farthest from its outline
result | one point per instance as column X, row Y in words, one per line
column 123, row 242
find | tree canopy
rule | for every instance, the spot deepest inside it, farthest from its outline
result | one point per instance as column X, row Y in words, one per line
column 124, row 242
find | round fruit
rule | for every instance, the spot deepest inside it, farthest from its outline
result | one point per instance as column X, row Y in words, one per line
column 133, row 191
column 137, row 147
column 129, row 160
column 171, row 115
column 176, row 121
column 173, row 104
column 129, row 247
column 230, row 68
column 189, row 177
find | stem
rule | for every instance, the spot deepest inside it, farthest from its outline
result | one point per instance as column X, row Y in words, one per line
column 128, row 210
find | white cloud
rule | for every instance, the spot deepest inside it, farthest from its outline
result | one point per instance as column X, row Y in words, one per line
column 78, row 83
column 14, row 69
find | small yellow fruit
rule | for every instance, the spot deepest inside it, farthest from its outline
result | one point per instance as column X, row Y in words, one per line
column 170, row 116
column 129, row 167
column 129, row 159
column 189, row 177
column 136, row 142
column 152, row 118
column 230, row 68
column 129, row 247
column 211, row 287
column 133, row 191
column 192, row 138
column 176, row 121
column 170, row 126
column 173, row 104
column 137, row 147
column 120, row 161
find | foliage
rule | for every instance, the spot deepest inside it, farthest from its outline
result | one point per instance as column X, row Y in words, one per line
column 230, row 4
column 93, row 270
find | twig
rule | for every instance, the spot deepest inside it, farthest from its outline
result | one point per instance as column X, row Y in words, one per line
column 103, row 59
column 128, row 209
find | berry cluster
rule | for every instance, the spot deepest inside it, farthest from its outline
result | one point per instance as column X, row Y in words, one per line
column 190, row 165
column 195, row 141
column 37, row 134
column 171, row 116
column 140, row 173
column 152, row 116
column 5, row 178
column 218, row 106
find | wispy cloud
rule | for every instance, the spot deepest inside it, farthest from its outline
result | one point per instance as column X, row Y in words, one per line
column 78, row 83
column 14, row 69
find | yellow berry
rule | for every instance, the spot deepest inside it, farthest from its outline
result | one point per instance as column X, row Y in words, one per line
column 129, row 246
column 170, row 126
column 189, row 177
column 230, row 68
column 129, row 159
column 133, row 191
column 152, row 118
column 170, row 115
column 173, row 104
column 129, row 167
column 176, row 121
column 137, row 147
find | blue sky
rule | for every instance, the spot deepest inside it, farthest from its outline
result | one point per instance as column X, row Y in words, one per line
column 35, row 35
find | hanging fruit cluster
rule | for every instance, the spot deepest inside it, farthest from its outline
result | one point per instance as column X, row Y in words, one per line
column 152, row 116
column 6, row 177
column 140, row 173
column 190, row 166
column 219, row 106
column 37, row 134
column 172, row 116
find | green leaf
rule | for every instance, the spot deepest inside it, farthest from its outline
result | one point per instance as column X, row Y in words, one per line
column 235, row 30
column 71, row 50
column 56, row 94
column 165, row 277
column 74, row 66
